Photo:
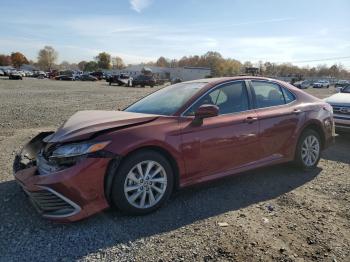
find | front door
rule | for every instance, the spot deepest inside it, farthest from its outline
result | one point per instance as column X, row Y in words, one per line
column 222, row 143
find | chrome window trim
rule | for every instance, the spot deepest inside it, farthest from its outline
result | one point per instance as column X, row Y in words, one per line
column 213, row 89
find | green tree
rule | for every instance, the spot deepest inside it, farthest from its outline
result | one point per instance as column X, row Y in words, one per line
column 232, row 67
column 103, row 60
column 214, row 61
column 91, row 66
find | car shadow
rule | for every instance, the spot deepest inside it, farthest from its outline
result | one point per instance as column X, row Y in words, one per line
column 22, row 230
column 340, row 151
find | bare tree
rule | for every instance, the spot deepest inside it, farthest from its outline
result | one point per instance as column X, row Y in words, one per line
column 117, row 63
column 47, row 57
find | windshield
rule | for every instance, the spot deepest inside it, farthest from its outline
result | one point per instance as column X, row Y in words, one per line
column 166, row 101
column 346, row 89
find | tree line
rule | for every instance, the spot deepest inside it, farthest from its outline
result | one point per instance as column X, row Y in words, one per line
column 220, row 66
column 47, row 58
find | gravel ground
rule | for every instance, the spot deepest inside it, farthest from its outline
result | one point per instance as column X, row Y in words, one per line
column 276, row 213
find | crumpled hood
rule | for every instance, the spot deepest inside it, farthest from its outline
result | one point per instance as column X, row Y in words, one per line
column 84, row 124
column 339, row 99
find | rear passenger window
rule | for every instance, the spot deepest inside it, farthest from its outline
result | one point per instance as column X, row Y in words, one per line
column 267, row 94
column 288, row 96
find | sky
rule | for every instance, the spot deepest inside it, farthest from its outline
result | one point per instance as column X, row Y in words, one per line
column 301, row 32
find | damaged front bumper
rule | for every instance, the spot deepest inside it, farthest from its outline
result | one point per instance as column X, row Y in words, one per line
column 62, row 194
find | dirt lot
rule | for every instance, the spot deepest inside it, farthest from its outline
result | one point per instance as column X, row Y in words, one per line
column 276, row 213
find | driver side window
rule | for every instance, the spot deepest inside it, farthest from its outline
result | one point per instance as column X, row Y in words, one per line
column 230, row 98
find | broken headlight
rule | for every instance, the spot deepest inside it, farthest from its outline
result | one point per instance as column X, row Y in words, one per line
column 78, row 149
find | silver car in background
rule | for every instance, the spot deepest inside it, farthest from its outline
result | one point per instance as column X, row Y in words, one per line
column 302, row 84
column 341, row 109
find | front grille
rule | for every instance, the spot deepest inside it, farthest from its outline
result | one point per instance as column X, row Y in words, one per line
column 343, row 110
column 52, row 204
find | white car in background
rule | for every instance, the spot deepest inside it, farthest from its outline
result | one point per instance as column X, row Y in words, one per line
column 22, row 73
column 341, row 109
column 321, row 84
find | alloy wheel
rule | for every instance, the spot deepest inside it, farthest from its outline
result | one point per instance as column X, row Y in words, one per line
column 145, row 184
column 310, row 150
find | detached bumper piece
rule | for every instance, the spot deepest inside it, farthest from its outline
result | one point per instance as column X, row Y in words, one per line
column 52, row 204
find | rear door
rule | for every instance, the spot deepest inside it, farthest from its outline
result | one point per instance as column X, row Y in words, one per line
column 279, row 117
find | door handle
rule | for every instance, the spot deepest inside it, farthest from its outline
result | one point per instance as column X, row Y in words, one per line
column 251, row 119
column 296, row 111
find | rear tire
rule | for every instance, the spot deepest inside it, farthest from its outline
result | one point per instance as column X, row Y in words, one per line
column 308, row 151
column 143, row 183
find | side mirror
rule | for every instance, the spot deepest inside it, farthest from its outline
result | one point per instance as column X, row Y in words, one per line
column 205, row 111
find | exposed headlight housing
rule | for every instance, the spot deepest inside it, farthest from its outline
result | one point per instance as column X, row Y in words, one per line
column 78, row 149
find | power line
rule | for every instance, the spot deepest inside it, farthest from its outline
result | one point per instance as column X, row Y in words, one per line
column 323, row 59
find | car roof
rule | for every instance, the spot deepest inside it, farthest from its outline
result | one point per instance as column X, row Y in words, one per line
column 218, row 80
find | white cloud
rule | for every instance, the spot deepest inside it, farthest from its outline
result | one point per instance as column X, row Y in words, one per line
column 139, row 5
column 83, row 37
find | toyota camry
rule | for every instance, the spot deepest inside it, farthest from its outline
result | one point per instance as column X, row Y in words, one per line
column 181, row 135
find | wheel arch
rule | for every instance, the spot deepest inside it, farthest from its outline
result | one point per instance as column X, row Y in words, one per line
column 115, row 163
column 317, row 127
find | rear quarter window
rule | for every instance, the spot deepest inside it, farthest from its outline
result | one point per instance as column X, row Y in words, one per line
column 288, row 95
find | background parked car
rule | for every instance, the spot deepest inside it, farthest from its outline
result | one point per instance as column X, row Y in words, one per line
column 341, row 109
column 65, row 78
column 302, row 84
column 28, row 73
column 122, row 79
column 14, row 75
column 87, row 77
column 161, row 81
column 176, row 80
column 39, row 74
column 22, row 73
column 321, row 84
column 98, row 74
column 144, row 80
column 2, row 73
column 340, row 84
column 7, row 72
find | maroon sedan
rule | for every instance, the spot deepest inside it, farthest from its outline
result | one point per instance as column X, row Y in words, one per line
column 181, row 135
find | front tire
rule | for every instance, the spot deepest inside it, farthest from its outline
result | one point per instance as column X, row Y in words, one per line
column 143, row 183
column 308, row 151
